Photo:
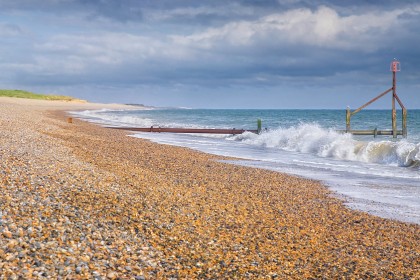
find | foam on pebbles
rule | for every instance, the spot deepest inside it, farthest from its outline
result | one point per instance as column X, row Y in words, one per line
column 79, row 201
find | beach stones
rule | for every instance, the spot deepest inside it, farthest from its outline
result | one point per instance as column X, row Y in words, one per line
column 83, row 202
column 7, row 234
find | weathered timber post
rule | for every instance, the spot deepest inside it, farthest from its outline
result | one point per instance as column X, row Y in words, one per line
column 259, row 126
column 394, row 112
column 404, row 122
column 348, row 115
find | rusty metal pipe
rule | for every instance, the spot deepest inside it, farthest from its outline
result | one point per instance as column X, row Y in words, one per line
column 187, row 130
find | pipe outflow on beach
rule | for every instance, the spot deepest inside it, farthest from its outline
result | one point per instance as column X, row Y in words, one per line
column 188, row 130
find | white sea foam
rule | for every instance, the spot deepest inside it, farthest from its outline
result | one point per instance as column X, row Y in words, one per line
column 310, row 138
column 113, row 118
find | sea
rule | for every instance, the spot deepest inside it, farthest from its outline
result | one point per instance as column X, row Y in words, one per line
column 379, row 175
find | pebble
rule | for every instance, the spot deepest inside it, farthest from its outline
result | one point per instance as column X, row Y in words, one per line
column 112, row 275
column 82, row 201
column 7, row 234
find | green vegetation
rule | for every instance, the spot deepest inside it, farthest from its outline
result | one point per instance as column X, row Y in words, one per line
column 31, row 95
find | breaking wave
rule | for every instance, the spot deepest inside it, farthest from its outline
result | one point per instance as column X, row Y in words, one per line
column 312, row 138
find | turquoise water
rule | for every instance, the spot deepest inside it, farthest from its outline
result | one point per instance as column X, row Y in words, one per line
column 379, row 175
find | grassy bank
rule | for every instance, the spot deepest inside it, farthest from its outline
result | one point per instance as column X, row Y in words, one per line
column 31, row 95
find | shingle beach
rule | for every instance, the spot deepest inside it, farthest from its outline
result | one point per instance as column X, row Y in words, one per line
column 79, row 201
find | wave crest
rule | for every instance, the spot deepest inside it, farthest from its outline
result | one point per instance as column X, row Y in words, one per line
column 312, row 138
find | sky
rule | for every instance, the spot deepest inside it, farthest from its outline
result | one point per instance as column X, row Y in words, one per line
column 308, row 54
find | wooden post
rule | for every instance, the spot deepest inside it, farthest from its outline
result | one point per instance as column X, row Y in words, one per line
column 348, row 116
column 394, row 112
column 404, row 122
column 394, row 120
column 259, row 126
column 70, row 120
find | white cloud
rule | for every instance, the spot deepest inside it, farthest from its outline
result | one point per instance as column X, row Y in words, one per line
column 323, row 27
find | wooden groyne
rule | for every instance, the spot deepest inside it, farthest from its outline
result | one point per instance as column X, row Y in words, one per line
column 374, row 132
column 395, row 67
